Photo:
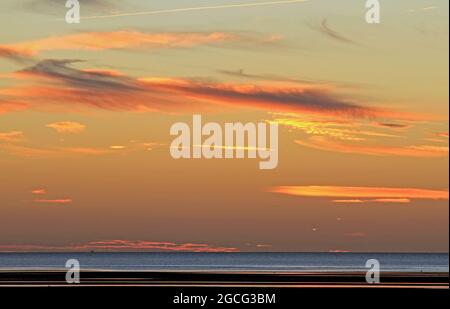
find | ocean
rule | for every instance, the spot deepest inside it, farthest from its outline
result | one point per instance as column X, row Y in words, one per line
column 285, row 262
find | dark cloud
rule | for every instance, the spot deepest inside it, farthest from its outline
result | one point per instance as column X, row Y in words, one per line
column 270, row 77
column 241, row 74
column 273, row 98
column 325, row 29
column 60, row 83
column 393, row 125
column 61, row 71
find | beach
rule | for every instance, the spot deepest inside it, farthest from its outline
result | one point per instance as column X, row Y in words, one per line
column 92, row 278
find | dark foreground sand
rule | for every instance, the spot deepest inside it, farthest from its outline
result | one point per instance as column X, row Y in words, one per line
column 225, row 279
column 184, row 289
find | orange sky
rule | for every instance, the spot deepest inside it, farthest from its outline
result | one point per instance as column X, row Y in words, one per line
column 85, row 113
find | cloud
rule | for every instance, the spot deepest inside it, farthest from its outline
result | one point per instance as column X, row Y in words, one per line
column 11, row 137
column 380, row 193
column 7, row 106
column 60, row 71
column 61, row 85
column 325, row 29
column 379, row 200
column 124, row 39
column 53, row 201
column 266, row 96
column 270, row 77
column 13, row 54
column 198, row 8
column 39, row 192
column 67, row 127
column 59, row 152
column 341, row 130
column 123, row 245
column 393, row 125
column 418, row 151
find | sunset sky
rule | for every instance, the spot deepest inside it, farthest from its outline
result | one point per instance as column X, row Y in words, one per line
column 362, row 109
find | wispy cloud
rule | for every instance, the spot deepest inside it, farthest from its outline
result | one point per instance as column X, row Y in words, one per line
column 325, row 29
column 120, row 245
column 394, row 126
column 25, row 150
column 379, row 200
column 11, row 137
column 39, row 191
column 14, row 54
column 53, row 201
column 124, row 39
column 419, row 151
column 341, row 130
column 197, row 8
column 13, row 105
column 380, row 193
column 58, row 83
column 67, row 127
column 277, row 78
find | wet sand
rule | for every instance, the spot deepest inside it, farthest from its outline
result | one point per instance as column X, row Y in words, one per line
column 392, row 280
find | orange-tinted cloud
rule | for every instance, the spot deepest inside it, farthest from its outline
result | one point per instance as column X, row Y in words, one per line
column 38, row 191
column 13, row 54
column 380, row 193
column 351, row 201
column 7, row 106
column 266, row 96
column 13, row 136
column 53, row 201
column 67, row 127
column 424, row 151
column 123, row 245
column 347, row 131
column 60, row 85
column 378, row 200
column 96, row 41
column 57, row 152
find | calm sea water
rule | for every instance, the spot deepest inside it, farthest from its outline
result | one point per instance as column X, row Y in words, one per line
column 229, row 261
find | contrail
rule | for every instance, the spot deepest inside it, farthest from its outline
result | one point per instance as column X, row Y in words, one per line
column 199, row 8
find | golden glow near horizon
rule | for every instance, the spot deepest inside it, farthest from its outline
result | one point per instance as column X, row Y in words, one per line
column 86, row 111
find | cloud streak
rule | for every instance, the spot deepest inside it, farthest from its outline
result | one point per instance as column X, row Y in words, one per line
column 417, row 151
column 11, row 137
column 119, row 245
column 327, row 31
column 67, row 127
column 53, row 201
column 191, row 9
column 58, row 83
column 124, row 39
column 382, row 193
